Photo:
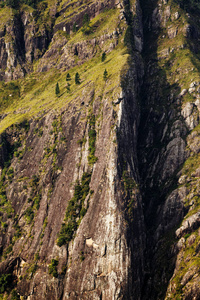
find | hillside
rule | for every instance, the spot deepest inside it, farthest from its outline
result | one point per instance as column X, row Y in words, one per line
column 99, row 156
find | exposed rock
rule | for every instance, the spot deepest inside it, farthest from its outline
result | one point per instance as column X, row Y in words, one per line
column 175, row 155
column 173, row 210
column 191, row 90
column 189, row 224
column 172, row 32
column 181, row 243
column 191, row 115
column 183, row 92
column 194, row 144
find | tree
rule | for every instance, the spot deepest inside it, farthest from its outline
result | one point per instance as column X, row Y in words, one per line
column 103, row 57
column 105, row 75
column 68, row 87
column 86, row 20
column 77, row 78
column 12, row 3
column 68, row 77
column 57, row 89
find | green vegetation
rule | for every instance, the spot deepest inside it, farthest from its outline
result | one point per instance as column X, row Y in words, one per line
column 77, row 78
column 131, row 189
column 75, row 210
column 86, row 20
column 57, row 90
column 68, row 77
column 32, row 269
column 5, row 282
column 189, row 5
column 29, row 214
column 86, row 24
column 14, row 295
column 105, row 75
column 68, row 87
column 53, row 268
column 103, row 56
column 15, row 3
column 82, row 256
column 92, row 140
column 75, row 27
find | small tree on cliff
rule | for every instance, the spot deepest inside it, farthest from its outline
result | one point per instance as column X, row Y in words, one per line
column 77, row 78
column 103, row 57
column 68, row 77
column 86, row 20
column 105, row 75
column 68, row 87
column 57, row 89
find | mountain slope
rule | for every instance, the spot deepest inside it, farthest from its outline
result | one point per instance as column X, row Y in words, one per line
column 99, row 152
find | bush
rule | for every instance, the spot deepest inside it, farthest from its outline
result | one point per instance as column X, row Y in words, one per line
column 14, row 295
column 66, row 233
column 29, row 214
column 5, row 282
column 53, row 268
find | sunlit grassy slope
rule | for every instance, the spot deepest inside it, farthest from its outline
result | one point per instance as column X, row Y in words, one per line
column 35, row 94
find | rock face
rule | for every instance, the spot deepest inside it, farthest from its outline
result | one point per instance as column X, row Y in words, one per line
column 99, row 196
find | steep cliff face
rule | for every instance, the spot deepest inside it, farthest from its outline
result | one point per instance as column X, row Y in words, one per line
column 99, row 176
column 170, row 114
column 71, row 203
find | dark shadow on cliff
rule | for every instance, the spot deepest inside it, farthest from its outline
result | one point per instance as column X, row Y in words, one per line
column 156, row 105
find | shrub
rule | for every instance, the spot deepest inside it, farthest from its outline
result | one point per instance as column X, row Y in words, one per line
column 29, row 214
column 68, row 77
column 14, row 295
column 53, row 268
column 5, row 282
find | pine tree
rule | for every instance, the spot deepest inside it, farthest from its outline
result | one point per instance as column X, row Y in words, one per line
column 105, row 75
column 57, row 89
column 103, row 57
column 68, row 87
column 77, row 78
column 68, row 77
column 86, row 20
